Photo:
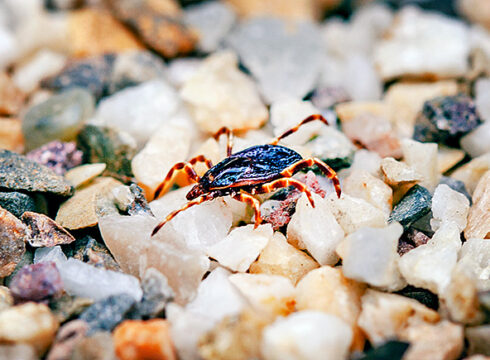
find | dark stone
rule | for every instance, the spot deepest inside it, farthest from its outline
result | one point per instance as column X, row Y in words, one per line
column 92, row 74
column 415, row 204
column 88, row 250
column 446, row 119
column 156, row 295
column 410, row 239
column 58, row 156
column 17, row 203
column 63, row 4
column 67, row 307
column 36, row 282
column 456, row 185
column 327, row 96
column 139, row 204
column 423, row 296
column 106, row 314
column 391, row 350
column 423, row 224
column 17, row 172
column 107, row 145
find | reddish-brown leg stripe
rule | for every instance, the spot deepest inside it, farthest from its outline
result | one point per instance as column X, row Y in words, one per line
column 324, row 168
column 280, row 183
column 294, row 129
column 170, row 216
column 253, row 202
column 229, row 134
column 202, row 159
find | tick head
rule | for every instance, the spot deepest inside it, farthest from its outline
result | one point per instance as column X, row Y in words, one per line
column 196, row 191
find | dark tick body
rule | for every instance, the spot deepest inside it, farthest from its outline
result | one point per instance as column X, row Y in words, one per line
column 255, row 170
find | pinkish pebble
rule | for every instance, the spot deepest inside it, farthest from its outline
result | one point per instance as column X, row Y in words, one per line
column 58, row 156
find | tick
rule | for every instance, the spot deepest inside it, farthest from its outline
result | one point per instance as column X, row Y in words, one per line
column 255, row 170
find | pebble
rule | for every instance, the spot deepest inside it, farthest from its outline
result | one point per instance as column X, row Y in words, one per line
column 288, row 10
column 44, row 63
column 429, row 266
column 59, row 118
column 353, row 213
column 414, row 205
column 131, row 199
column 135, row 339
column 11, row 97
column 219, row 94
column 446, row 119
column 482, row 97
column 49, row 254
column 29, row 175
column 87, row 281
column 241, row 247
column 107, row 313
column 68, row 336
column 168, row 145
column 92, row 252
column 386, row 316
column 363, row 185
column 93, row 32
column 477, row 337
column 274, row 54
column 212, row 21
column 273, row 294
column 44, row 232
column 370, row 255
column 11, row 137
column 307, row 335
column 477, row 142
column 56, row 155
column 315, row 230
column 6, row 299
column 327, row 290
column 325, row 96
column 12, row 238
column 139, row 110
column 80, row 211
column 32, row 324
column 17, row 202
column 36, row 282
column 479, row 214
column 422, row 157
column 449, row 205
column 97, row 346
column 414, row 38
column 476, row 11
column 281, row 258
column 18, row 351
column 159, row 26
column 448, row 157
column 398, row 173
column 66, row 307
column 471, row 173
column 406, row 99
column 456, row 185
column 156, row 294
column 83, row 174
column 179, row 71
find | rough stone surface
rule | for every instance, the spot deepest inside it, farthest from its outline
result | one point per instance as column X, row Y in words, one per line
column 156, row 294
column 29, row 175
column 477, row 142
column 43, row 231
column 11, row 98
column 449, row 205
column 415, row 204
column 479, row 215
column 83, row 174
column 471, row 173
column 58, row 118
column 36, row 282
column 56, row 155
column 68, row 336
column 97, row 346
column 218, row 94
column 17, row 202
column 283, row 73
column 423, row 159
column 12, row 238
column 11, row 137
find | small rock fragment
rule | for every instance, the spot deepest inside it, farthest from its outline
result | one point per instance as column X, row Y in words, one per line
column 447, row 158
column 58, row 118
column 30, row 323
column 79, row 211
column 29, row 175
column 11, row 137
column 135, row 339
column 156, row 294
column 12, row 237
column 97, row 346
column 315, row 229
column 288, row 10
column 477, row 142
column 44, row 232
column 68, row 307
column 423, row 159
column 68, row 336
column 479, row 215
column 281, row 258
column 11, row 98
column 370, row 255
column 105, row 314
column 36, row 282
column 219, row 94
column 398, row 173
column 83, row 174
column 241, row 247
column 307, row 335
column 448, row 206
column 57, row 155
column 18, row 351
column 474, row 258
column 17, row 202
column 478, row 340
column 414, row 205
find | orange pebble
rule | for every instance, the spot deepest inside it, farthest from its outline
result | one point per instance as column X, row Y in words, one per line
column 144, row 340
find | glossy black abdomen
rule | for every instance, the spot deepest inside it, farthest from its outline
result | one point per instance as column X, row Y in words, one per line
column 256, row 164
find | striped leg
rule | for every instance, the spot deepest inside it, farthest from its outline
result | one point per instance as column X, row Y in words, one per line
column 285, row 182
column 325, row 169
column 170, row 216
column 182, row 166
column 229, row 134
column 294, row 129
column 253, row 202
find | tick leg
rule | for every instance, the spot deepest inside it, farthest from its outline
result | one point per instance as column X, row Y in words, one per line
column 170, row 216
column 253, row 202
column 229, row 134
column 294, row 129
column 324, row 168
column 285, row 182
column 182, row 166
